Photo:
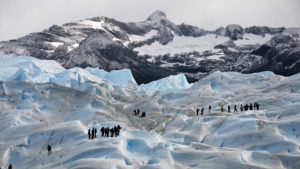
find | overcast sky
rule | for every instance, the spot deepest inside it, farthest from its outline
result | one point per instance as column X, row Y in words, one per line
column 20, row 17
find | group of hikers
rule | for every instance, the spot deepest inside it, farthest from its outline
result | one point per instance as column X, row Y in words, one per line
column 105, row 132
column 92, row 133
column 246, row 107
column 137, row 113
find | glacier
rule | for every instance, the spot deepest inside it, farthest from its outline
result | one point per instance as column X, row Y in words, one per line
column 42, row 103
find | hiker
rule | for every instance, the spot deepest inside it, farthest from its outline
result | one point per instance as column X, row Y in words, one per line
column 209, row 108
column 143, row 114
column 251, row 106
column 138, row 112
column 235, row 109
column 10, row 166
column 254, row 106
column 95, row 132
column 107, row 132
column 228, row 108
column 222, row 108
column 111, row 132
column 134, row 112
column 246, row 107
column 118, row 130
column 257, row 106
column 202, row 110
column 49, row 150
column 102, row 131
column 197, row 111
column 89, row 133
column 242, row 107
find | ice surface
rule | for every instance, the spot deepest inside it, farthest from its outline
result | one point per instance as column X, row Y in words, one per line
column 35, row 113
column 174, row 83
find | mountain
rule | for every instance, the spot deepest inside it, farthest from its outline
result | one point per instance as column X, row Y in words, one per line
column 156, row 47
column 43, row 103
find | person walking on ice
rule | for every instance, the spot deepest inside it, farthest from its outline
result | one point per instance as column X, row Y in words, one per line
column 209, row 109
column 222, row 108
column 202, row 111
column 235, row 109
column 49, row 150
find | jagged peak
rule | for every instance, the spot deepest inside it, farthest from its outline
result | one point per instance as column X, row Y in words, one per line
column 157, row 16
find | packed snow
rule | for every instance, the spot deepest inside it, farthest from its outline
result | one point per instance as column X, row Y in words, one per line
column 138, row 38
column 36, row 112
column 182, row 44
column 251, row 39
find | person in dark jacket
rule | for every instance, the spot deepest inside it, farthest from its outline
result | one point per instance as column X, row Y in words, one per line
column 138, row 112
column 235, row 108
column 202, row 111
column 102, row 131
column 111, row 132
column 118, row 130
column 10, row 166
column 95, row 132
column 197, row 111
column 251, row 106
column 49, row 150
column 242, row 107
column 257, row 106
column 209, row 108
column 89, row 133
column 228, row 108
column 143, row 114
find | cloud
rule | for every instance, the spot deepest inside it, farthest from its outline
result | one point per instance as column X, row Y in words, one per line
column 20, row 17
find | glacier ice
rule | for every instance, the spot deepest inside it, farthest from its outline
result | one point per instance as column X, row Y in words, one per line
column 35, row 113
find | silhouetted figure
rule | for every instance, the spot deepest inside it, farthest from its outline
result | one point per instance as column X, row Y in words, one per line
column 111, row 132
column 257, row 106
column 134, row 112
column 246, row 107
column 10, row 166
column 118, row 130
column 49, row 150
column 102, row 131
column 209, row 108
column 143, row 114
column 251, row 106
column 222, row 108
column 242, row 107
column 89, row 133
column 138, row 112
column 197, row 111
column 202, row 111
column 95, row 132
column 107, row 132
column 228, row 108
column 235, row 109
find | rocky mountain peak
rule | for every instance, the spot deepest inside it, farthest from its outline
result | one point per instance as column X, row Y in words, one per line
column 157, row 16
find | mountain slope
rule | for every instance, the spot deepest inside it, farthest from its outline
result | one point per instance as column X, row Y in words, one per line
column 156, row 48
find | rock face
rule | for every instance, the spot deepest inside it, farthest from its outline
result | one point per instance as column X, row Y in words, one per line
column 156, row 48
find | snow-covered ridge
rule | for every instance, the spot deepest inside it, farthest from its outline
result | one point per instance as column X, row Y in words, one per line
column 24, row 68
column 171, row 83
